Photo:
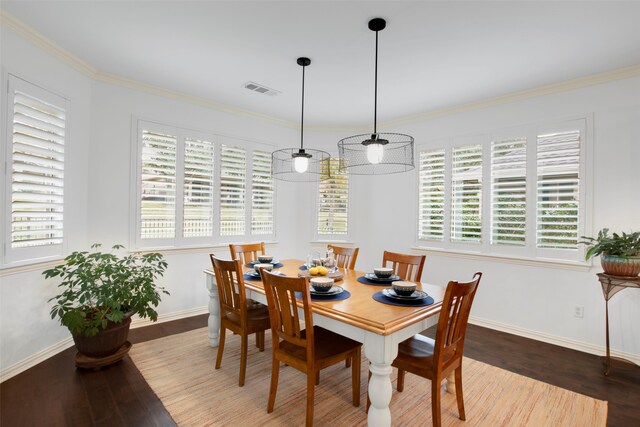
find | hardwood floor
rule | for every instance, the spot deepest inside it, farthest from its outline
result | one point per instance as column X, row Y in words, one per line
column 55, row 393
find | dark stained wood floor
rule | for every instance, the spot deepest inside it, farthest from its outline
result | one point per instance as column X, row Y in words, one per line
column 55, row 393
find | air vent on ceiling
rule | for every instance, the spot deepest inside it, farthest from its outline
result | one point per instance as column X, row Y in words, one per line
column 257, row 87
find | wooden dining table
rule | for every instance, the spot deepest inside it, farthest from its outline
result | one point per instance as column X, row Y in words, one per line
column 380, row 327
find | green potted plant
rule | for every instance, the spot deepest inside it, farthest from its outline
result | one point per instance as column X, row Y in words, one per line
column 620, row 253
column 99, row 294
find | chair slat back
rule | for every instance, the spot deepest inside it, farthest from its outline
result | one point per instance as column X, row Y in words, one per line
column 246, row 252
column 283, row 310
column 454, row 317
column 230, row 285
column 408, row 267
column 345, row 257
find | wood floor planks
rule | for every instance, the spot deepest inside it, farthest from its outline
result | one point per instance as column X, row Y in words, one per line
column 56, row 393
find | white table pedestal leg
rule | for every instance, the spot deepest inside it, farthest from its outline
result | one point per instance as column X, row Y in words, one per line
column 381, row 352
column 213, row 323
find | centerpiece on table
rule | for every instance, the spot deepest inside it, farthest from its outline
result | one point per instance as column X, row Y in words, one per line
column 100, row 292
column 620, row 253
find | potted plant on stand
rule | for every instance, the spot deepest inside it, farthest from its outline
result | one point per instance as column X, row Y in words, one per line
column 100, row 293
column 620, row 253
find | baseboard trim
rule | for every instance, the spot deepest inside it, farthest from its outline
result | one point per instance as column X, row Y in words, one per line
column 598, row 350
column 66, row 343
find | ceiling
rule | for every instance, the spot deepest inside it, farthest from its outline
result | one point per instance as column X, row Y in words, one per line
column 433, row 55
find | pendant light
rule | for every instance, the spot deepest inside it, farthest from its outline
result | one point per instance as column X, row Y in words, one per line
column 377, row 153
column 300, row 164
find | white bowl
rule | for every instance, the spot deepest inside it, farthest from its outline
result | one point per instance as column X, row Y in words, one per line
column 404, row 288
column 321, row 284
column 383, row 272
column 265, row 258
column 267, row 267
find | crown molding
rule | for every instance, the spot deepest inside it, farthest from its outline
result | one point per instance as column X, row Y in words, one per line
column 47, row 45
column 190, row 99
column 85, row 68
column 567, row 85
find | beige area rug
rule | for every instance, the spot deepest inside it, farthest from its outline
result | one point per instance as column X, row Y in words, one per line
column 180, row 370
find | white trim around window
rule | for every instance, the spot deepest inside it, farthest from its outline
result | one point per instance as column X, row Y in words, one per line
column 177, row 192
column 37, row 134
column 513, row 169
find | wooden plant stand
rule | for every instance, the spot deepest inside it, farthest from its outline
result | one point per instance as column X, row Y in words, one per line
column 86, row 362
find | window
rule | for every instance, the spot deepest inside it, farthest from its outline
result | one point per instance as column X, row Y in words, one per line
column 333, row 201
column 233, row 166
column 558, row 190
column 192, row 188
column 158, row 186
column 198, row 188
column 262, row 195
column 535, row 201
column 431, row 195
column 466, row 189
column 509, row 192
column 34, row 174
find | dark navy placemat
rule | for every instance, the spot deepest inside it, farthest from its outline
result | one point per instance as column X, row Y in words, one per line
column 378, row 296
column 343, row 295
column 253, row 263
column 250, row 277
column 366, row 281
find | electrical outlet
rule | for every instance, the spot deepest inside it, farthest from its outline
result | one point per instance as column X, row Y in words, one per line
column 578, row 311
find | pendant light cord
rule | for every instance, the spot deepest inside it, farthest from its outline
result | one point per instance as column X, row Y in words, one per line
column 302, row 119
column 375, row 96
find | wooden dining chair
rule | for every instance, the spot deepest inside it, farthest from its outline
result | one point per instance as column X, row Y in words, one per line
column 437, row 359
column 345, row 257
column 246, row 252
column 237, row 313
column 408, row 267
column 307, row 350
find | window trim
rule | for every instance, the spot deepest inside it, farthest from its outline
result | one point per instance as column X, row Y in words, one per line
column 17, row 257
column 529, row 251
column 180, row 242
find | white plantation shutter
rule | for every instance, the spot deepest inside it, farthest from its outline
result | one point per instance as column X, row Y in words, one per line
column 158, row 186
column 466, row 188
column 198, row 188
column 37, row 169
column 333, row 200
column 508, row 192
column 558, row 190
column 261, row 194
column 233, row 171
column 431, row 195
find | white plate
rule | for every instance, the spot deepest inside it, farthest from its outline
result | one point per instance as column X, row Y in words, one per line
column 335, row 290
column 374, row 278
column 416, row 295
column 254, row 273
column 254, row 262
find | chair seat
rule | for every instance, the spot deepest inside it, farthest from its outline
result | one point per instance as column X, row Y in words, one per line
column 415, row 354
column 257, row 314
column 327, row 344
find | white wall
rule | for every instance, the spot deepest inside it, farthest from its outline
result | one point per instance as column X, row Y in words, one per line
column 25, row 325
column 97, row 206
column 110, row 210
column 537, row 300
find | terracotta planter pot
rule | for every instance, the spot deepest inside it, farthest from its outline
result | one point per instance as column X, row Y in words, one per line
column 107, row 342
column 620, row 265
